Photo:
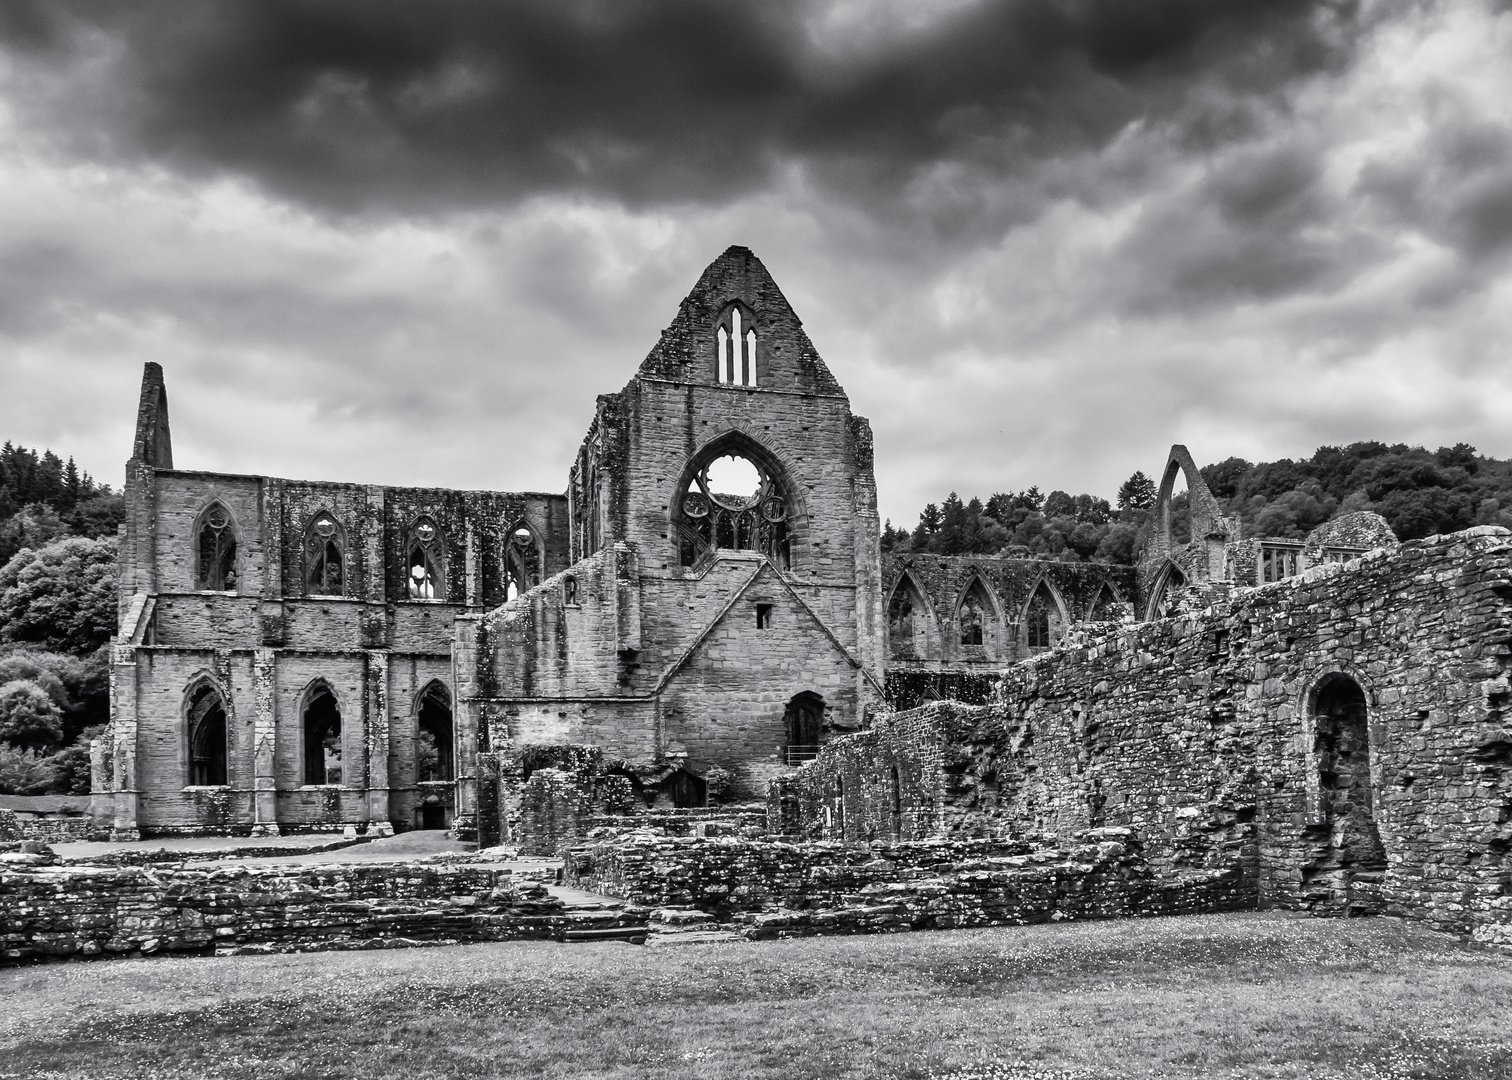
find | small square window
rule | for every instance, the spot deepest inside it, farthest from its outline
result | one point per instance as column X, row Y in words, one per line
column 763, row 616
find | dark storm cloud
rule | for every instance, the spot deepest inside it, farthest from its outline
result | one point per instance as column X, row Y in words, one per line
column 430, row 105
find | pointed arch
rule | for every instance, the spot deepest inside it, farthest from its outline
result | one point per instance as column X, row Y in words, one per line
column 325, row 547
column 435, row 754
column 735, row 345
column 767, row 520
column 1170, row 581
column 425, row 560
column 908, row 619
column 1205, row 512
column 978, row 616
column 1101, row 609
column 321, row 733
column 1045, row 616
column 215, row 548
column 207, row 727
column 524, row 554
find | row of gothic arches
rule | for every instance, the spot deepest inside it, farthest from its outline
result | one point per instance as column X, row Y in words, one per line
column 207, row 735
column 980, row 623
column 326, row 555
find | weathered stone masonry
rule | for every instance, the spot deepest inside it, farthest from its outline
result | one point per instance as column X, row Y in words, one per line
column 1223, row 738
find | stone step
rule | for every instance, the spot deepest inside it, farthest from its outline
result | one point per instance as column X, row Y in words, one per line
column 636, row 935
column 660, row 936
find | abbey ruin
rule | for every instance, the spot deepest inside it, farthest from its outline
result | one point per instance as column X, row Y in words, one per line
column 702, row 633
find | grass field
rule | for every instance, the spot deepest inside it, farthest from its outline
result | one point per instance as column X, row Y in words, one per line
column 1253, row 995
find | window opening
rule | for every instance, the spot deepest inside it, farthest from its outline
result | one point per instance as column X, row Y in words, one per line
column 731, row 502
column 433, row 735
column 522, row 564
column 897, row 804
column 803, row 723
column 735, row 350
column 1103, row 606
column 902, row 623
column 1165, row 598
column 1278, row 561
column 217, row 551
column 973, row 616
column 1041, row 619
column 569, row 591
column 207, row 738
column 323, row 556
column 424, row 574
column 763, row 616
column 840, row 806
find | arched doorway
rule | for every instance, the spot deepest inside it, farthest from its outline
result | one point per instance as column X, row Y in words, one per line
column 685, row 789
column 207, row 737
column 803, row 723
column 322, row 737
column 1345, row 791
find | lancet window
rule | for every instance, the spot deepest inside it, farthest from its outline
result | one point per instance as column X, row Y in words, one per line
column 433, row 735
column 905, row 622
column 325, row 548
column 734, row 503
column 425, row 580
column 522, row 561
column 972, row 619
column 216, row 564
column 322, row 738
column 1041, row 619
column 735, row 348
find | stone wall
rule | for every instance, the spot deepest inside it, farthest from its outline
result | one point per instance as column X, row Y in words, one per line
column 48, row 818
column 1211, row 735
column 780, row 889
column 74, row 911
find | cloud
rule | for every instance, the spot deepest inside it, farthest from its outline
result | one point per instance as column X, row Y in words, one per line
column 375, row 103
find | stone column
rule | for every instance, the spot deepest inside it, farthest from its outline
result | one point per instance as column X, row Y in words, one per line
column 123, row 733
column 264, row 743
column 377, row 730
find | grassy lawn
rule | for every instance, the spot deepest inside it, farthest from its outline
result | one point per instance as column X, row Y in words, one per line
column 1254, row 995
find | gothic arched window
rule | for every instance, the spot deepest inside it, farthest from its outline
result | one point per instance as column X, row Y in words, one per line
column 424, row 577
column 735, row 347
column 905, row 621
column 433, row 735
column 522, row 561
column 1104, row 606
column 1037, row 620
column 207, row 737
column 973, row 616
column 732, row 502
column 216, row 563
column 325, row 547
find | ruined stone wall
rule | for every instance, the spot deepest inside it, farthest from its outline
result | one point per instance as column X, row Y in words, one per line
column 781, row 890
column 1202, row 733
column 51, row 911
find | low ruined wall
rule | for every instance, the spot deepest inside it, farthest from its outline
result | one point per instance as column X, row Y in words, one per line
column 1202, row 733
column 52, row 819
column 64, row 911
column 781, row 889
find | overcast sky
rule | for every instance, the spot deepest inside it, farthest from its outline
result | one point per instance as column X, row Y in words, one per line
column 1037, row 241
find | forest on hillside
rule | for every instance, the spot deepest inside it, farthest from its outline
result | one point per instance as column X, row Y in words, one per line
column 57, row 612
column 1419, row 492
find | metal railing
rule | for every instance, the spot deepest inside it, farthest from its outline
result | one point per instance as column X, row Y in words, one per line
column 798, row 753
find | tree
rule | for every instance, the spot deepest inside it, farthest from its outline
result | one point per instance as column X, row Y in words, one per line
column 1137, row 493
column 29, row 719
column 61, row 597
column 33, row 526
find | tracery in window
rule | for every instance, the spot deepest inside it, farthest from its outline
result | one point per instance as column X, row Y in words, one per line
column 1042, row 621
column 325, row 545
column 216, row 565
column 424, row 564
column 905, row 622
column 973, row 615
column 522, row 561
column 1164, row 602
column 732, row 502
column 207, row 737
column 735, row 348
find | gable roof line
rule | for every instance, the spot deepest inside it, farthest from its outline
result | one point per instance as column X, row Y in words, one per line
column 687, row 655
